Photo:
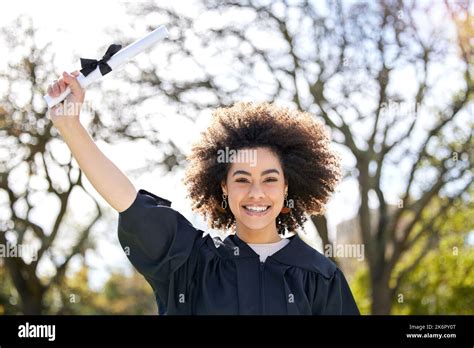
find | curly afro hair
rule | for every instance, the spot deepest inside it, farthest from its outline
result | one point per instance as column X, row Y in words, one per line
column 311, row 169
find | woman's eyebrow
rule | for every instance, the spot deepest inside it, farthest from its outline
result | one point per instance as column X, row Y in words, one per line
column 268, row 171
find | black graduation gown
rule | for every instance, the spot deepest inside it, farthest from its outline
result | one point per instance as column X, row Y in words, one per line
column 195, row 274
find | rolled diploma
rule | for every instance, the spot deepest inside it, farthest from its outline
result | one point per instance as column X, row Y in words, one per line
column 118, row 59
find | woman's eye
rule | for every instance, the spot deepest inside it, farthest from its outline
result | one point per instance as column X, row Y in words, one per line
column 266, row 180
column 241, row 180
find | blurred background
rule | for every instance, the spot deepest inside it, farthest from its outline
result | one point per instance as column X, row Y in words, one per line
column 393, row 81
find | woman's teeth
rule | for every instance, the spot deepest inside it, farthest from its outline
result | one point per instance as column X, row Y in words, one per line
column 257, row 209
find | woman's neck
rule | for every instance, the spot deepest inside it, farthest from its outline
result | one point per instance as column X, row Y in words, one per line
column 267, row 234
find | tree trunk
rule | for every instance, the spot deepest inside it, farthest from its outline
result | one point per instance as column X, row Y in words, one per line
column 27, row 284
column 381, row 296
column 32, row 303
column 321, row 224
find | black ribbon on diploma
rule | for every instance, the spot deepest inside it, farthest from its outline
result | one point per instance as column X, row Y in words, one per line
column 89, row 65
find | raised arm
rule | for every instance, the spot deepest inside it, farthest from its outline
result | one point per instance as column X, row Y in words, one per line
column 103, row 174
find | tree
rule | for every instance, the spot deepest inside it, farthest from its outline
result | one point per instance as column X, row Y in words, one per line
column 36, row 171
column 441, row 283
column 343, row 61
column 26, row 165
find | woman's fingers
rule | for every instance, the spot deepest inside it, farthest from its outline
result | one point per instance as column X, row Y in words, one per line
column 67, row 80
column 55, row 88
column 62, row 85
column 71, row 81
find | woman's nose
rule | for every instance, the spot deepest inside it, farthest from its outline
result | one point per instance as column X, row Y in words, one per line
column 256, row 191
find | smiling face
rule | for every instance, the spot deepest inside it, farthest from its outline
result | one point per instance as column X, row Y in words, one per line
column 256, row 189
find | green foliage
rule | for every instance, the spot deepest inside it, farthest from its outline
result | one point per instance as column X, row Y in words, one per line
column 442, row 282
column 360, row 287
column 8, row 295
column 120, row 295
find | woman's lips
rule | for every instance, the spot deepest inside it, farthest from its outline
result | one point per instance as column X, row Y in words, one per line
column 256, row 213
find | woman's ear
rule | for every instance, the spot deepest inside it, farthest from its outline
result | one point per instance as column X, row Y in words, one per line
column 224, row 187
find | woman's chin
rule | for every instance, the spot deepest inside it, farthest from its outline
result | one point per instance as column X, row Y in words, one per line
column 255, row 225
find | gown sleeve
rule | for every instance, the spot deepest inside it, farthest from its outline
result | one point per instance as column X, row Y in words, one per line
column 156, row 239
column 339, row 299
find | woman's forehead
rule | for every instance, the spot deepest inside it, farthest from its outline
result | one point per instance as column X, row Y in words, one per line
column 256, row 161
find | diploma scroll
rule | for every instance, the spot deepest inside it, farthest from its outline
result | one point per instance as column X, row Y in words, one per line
column 111, row 63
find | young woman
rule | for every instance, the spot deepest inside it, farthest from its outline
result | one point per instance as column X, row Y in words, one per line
column 257, row 170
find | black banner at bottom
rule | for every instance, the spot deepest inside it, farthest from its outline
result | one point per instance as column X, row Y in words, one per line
column 152, row 330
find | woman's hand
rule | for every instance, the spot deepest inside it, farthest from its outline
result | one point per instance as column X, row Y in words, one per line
column 67, row 112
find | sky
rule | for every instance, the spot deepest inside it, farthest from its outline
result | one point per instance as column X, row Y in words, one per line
column 82, row 28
